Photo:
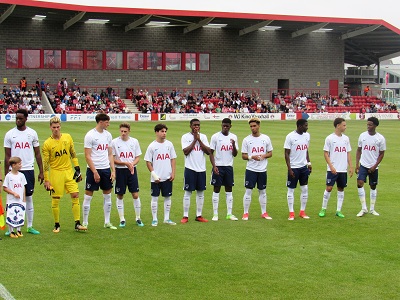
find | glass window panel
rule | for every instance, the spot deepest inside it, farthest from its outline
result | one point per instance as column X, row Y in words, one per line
column 204, row 62
column 114, row 60
column 190, row 61
column 94, row 60
column 154, row 60
column 12, row 58
column 30, row 59
column 173, row 61
column 135, row 60
column 74, row 59
column 52, row 59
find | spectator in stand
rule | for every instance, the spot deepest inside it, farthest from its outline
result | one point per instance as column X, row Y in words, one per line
column 366, row 90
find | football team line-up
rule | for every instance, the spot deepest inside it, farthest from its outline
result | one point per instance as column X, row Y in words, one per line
column 114, row 160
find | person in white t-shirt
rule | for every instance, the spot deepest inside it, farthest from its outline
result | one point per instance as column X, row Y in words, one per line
column 256, row 149
column 194, row 146
column 14, row 186
column 370, row 152
column 223, row 147
column 100, row 171
column 23, row 142
column 298, row 165
column 160, row 159
column 337, row 150
column 126, row 151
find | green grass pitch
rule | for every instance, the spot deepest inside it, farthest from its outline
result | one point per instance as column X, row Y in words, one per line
column 328, row 258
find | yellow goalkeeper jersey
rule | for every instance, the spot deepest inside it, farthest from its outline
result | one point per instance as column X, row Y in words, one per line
column 57, row 154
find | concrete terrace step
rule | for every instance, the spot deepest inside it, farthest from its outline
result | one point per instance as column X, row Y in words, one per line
column 132, row 107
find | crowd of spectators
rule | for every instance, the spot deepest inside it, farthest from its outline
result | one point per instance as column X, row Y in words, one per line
column 250, row 102
column 219, row 101
column 70, row 99
column 13, row 98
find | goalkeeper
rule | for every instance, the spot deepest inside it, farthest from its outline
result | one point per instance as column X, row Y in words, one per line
column 59, row 176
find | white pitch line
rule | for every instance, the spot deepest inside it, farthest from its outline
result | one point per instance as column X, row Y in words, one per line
column 5, row 294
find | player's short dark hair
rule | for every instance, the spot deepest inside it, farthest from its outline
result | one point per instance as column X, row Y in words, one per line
column 125, row 125
column 374, row 120
column 226, row 121
column 159, row 127
column 338, row 121
column 22, row 111
column 194, row 120
column 102, row 117
column 301, row 122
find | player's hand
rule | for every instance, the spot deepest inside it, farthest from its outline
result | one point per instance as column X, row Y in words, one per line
column 310, row 168
column 172, row 177
column 16, row 195
column 351, row 172
column 112, row 177
column 333, row 171
column 77, row 175
column 96, row 177
column 291, row 173
column 216, row 171
column 41, row 177
column 233, row 142
column 357, row 169
column 49, row 188
column 372, row 169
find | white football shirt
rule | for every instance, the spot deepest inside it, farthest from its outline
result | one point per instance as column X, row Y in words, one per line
column 21, row 144
column 338, row 147
column 160, row 155
column 195, row 160
column 256, row 146
column 17, row 184
column 298, row 145
column 370, row 145
column 125, row 151
column 221, row 144
column 99, row 142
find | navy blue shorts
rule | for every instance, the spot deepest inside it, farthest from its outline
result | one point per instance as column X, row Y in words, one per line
column 225, row 177
column 340, row 179
column 252, row 178
column 164, row 187
column 300, row 175
column 124, row 179
column 30, row 181
column 105, row 181
column 194, row 181
column 363, row 174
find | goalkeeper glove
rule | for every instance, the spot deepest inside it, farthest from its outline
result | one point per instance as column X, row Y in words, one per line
column 77, row 175
column 51, row 190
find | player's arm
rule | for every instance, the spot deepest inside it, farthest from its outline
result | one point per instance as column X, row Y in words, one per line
column 112, row 166
column 11, row 192
column 328, row 161
column 378, row 161
column 203, row 146
column 287, row 160
column 154, row 175
column 212, row 160
column 350, row 164
column 189, row 148
column 46, row 166
column 39, row 162
column 173, row 167
column 234, row 148
column 358, row 156
column 7, row 156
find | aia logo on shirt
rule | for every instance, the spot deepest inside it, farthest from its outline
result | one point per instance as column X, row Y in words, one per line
column 163, row 156
column 197, row 148
column 301, row 147
column 126, row 155
column 226, row 147
column 17, row 185
column 340, row 149
column 369, row 148
column 102, row 147
column 23, row 145
column 257, row 149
